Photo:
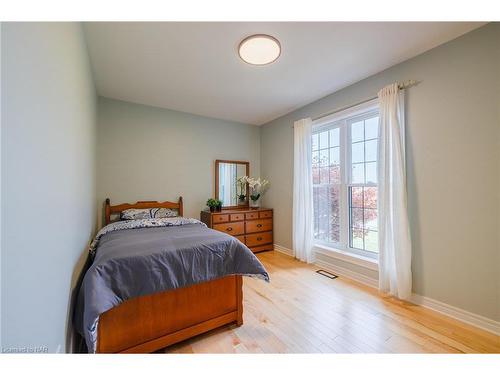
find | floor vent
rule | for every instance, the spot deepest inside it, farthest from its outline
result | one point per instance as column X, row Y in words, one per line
column 327, row 274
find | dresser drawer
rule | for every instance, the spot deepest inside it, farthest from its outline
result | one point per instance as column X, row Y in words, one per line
column 237, row 217
column 263, row 225
column 241, row 238
column 234, row 229
column 265, row 214
column 220, row 218
column 259, row 239
column 251, row 215
column 258, row 249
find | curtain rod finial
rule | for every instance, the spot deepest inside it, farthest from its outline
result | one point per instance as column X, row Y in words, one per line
column 409, row 83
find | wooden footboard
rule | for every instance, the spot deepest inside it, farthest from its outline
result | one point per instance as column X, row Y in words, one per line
column 146, row 324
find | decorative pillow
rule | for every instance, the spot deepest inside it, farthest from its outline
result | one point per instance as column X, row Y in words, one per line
column 148, row 213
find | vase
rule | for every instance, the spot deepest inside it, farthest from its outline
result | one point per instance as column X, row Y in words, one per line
column 242, row 201
column 255, row 203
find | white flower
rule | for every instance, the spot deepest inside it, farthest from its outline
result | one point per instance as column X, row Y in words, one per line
column 257, row 185
column 243, row 180
column 252, row 182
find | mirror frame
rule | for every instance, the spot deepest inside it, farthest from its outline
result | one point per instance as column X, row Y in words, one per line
column 217, row 162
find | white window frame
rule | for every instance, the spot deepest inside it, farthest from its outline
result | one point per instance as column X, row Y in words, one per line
column 342, row 120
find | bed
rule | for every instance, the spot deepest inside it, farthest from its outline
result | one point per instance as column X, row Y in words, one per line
column 157, row 282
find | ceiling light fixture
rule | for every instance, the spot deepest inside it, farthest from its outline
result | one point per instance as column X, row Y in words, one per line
column 259, row 49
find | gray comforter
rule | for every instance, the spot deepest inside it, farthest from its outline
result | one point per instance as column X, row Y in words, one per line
column 136, row 261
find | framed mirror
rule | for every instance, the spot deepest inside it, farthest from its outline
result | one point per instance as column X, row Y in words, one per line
column 227, row 188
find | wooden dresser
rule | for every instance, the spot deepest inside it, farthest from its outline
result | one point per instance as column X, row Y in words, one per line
column 252, row 226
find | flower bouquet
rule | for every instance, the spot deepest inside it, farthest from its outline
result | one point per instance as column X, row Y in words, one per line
column 258, row 187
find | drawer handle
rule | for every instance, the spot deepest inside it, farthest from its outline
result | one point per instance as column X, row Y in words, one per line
column 259, row 225
column 229, row 229
column 259, row 238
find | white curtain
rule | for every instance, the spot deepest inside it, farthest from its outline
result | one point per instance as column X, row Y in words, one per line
column 302, row 191
column 227, row 184
column 394, row 229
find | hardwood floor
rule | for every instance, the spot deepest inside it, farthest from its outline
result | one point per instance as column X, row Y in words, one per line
column 300, row 311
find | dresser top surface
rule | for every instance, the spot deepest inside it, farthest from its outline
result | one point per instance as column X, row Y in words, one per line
column 238, row 210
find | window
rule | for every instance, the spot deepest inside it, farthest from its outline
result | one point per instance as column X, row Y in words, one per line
column 344, row 166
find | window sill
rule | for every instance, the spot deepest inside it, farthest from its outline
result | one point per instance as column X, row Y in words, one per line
column 345, row 256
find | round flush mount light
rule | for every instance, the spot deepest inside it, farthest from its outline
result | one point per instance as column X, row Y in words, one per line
column 259, row 49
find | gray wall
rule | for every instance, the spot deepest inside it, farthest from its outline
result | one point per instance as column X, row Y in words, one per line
column 149, row 153
column 453, row 132
column 48, row 178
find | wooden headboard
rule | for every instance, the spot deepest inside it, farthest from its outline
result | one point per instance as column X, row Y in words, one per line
column 110, row 210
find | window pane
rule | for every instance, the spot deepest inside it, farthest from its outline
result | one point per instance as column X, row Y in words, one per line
column 315, row 172
column 371, row 150
column 370, row 197
column 326, row 192
column 315, row 205
column 335, row 174
column 323, row 175
column 323, row 140
column 335, row 137
column 370, row 218
column 323, row 158
column 315, row 159
column 327, row 213
column 356, row 197
column 315, row 141
column 335, row 156
column 357, row 132
column 371, row 128
column 358, row 174
column 363, row 221
column 371, row 241
column 357, row 152
column 320, row 199
column 334, row 213
column 371, row 173
column 363, row 214
column 357, row 217
column 335, row 220
column 334, row 234
column 334, row 197
column 357, row 239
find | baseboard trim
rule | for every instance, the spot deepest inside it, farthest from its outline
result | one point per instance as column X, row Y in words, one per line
column 283, row 250
column 459, row 314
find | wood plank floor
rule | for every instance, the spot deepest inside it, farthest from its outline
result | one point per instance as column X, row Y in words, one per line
column 300, row 311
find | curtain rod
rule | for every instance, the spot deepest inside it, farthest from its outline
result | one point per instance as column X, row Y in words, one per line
column 402, row 86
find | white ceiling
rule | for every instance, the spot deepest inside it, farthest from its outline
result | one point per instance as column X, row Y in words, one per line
column 194, row 67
